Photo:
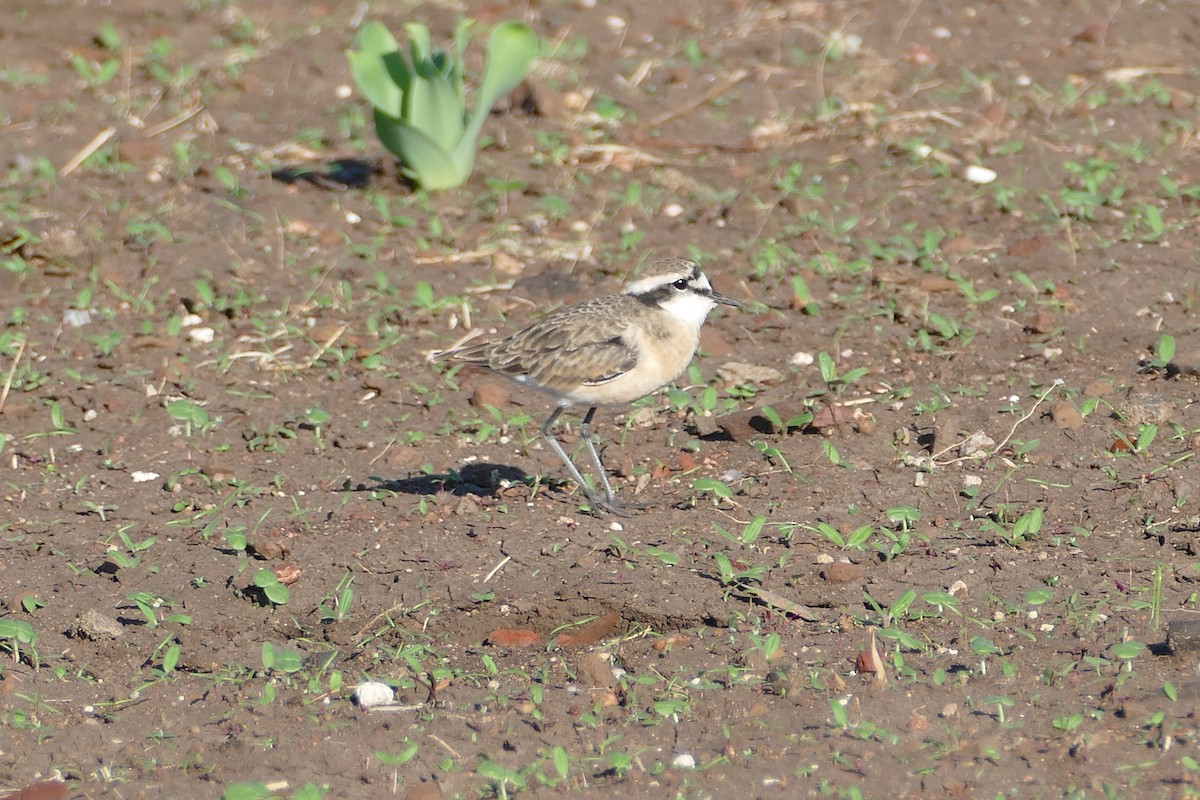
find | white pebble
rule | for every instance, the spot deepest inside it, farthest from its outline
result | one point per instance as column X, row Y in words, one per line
column 980, row 175
column 672, row 210
column 76, row 318
column 373, row 693
column 190, row 320
column 615, row 526
column 802, row 359
column 343, row 91
column 616, row 23
column 353, row 218
column 684, row 761
column 202, row 335
column 143, row 477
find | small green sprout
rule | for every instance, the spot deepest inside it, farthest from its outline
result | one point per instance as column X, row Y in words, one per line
column 268, row 583
column 13, row 634
column 420, row 112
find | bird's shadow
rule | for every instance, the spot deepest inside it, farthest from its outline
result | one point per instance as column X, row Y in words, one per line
column 481, row 479
column 341, row 173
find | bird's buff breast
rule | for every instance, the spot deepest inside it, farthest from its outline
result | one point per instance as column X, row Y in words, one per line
column 663, row 358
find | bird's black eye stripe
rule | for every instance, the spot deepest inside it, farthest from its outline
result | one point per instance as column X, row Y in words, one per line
column 681, row 284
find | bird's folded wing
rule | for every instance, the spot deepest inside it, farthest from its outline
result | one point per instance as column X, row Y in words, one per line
column 563, row 357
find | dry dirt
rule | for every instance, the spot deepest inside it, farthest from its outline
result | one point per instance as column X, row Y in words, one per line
column 774, row 142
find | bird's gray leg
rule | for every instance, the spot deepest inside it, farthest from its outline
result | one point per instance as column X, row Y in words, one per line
column 585, row 432
column 608, row 501
column 548, row 435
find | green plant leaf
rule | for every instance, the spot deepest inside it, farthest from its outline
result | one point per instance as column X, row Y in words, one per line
column 435, row 109
column 264, row 578
column 420, row 46
column 511, row 50
column 423, row 159
column 378, row 69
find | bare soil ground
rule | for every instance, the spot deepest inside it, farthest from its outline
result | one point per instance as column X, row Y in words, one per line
column 213, row 353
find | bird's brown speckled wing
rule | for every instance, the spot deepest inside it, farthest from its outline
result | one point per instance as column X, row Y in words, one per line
column 581, row 344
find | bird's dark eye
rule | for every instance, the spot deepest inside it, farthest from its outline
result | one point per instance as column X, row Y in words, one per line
column 680, row 284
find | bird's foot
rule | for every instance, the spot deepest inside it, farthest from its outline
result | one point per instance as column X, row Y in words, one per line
column 613, row 506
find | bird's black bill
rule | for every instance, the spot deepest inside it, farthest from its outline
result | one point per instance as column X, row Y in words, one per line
column 722, row 299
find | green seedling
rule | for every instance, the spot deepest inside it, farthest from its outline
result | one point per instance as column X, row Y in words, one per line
column 734, row 579
column 403, row 756
column 335, row 607
column 780, row 425
column 270, row 587
column 30, row 603
column 1164, row 354
column 855, row 540
column 838, row 709
column 502, row 778
column 13, row 634
column 420, row 111
column 718, row 489
column 192, row 416
column 1067, row 723
column 984, row 647
column 749, row 534
column 1127, row 652
column 1000, row 702
column 282, row 659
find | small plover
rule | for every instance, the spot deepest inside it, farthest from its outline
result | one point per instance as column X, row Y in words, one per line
column 605, row 351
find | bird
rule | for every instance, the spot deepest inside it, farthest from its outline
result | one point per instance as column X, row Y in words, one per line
column 605, row 351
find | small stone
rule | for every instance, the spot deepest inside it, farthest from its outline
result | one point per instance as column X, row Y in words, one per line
column 595, row 671
column 1041, row 322
column 842, row 572
column 490, row 393
column 202, row 334
column 705, row 424
column 424, row 791
column 93, row 625
column 979, row 175
column 684, row 761
column 642, row 418
column 1065, row 415
column 976, row 445
column 738, row 373
column 935, row 283
column 76, row 318
column 370, row 694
